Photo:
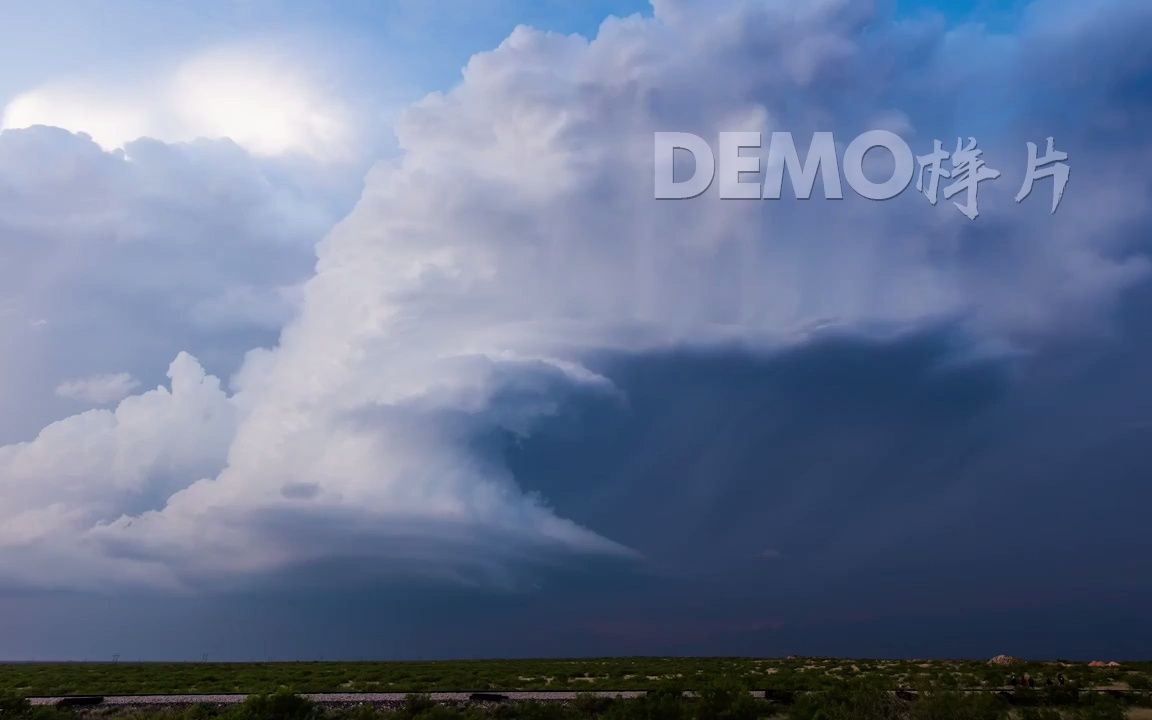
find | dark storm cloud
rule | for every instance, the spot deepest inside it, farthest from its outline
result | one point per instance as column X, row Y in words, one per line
column 851, row 496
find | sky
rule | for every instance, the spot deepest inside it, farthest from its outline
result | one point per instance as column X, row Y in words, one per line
column 355, row 331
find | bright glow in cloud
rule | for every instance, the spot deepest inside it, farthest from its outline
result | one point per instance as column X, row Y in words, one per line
column 255, row 96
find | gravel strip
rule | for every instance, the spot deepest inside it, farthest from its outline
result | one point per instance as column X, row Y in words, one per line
column 342, row 698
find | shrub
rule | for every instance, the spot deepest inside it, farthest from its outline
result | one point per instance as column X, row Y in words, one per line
column 280, row 705
column 587, row 705
column 443, row 712
column 726, row 701
column 359, row 712
column 850, row 701
column 957, row 706
column 1100, row 708
column 416, row 705
column 533, row 711
column 1137, row 681
column 14, row 706
column 665, row 703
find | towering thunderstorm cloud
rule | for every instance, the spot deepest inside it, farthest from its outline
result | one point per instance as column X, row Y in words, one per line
column 510, row 242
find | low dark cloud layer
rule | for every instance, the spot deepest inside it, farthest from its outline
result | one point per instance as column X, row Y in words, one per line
column 847, row 497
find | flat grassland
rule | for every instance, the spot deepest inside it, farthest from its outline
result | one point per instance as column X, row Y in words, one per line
column 789, row 674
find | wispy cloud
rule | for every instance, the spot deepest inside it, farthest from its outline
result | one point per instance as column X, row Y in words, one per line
column 98, row 389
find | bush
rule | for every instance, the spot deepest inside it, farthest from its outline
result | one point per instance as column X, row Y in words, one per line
column 280, row 705
column 850, row 701
column 533, row 711
column 422, row 707
column 14, row 706
column 1100, row 708
column 17, row 707
column 587, row 705
column 1137, row 681
column 359, row 712
column 442, row 712
column 957, row 706
column 726, row 701
column 416, row 705
column 666, row 703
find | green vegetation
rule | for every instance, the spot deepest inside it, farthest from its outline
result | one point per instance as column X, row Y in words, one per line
column 791, row 674
column 717, row 689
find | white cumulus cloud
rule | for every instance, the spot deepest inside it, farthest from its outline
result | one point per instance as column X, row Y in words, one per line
column 121, row 259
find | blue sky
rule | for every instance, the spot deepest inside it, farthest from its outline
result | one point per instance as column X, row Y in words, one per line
column 1000, row 15
column 418, row 45
column 361, row 318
